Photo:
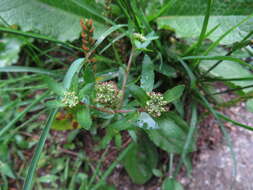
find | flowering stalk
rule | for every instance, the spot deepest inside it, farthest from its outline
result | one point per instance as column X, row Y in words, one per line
column 87, row 39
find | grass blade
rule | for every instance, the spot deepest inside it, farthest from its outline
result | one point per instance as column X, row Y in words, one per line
column 21, row 114
column 204, row 26
column 38, row 151
column 37, row 36
column 234, row 122
column 17, row 69
column 217, row 42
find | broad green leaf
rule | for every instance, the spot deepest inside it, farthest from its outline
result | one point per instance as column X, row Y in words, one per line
column 249, row 105
column 186, row 18
column 147, row 74
column 140, row 161
column 83, row 117
column 5, row 169
column 139, row 94
column 61, row 20
column 9, row 50
column 172, row 133
column 171, row 184
column 174, row 93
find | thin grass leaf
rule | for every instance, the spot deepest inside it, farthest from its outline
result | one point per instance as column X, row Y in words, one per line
column 107, row 33
column 189, row 72
column 189, row 140
column 164, row 9
column 224, row 117
column 218, row 57
column 217, row 42
column 228, row 79
column 113, row 41
column 92, row 11
column 204, row 26
column 38, row 36
column 21, row 114
column 36, row 156
column 18, row 69
column 236, row 47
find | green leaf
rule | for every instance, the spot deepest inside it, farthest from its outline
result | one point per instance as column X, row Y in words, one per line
column 166, row 70
column 89, row 76
column 73, row 69
column 60, row 22
column 249, row 105
column 147, row 74
column 171, row 184
column 54, row 86
column 139, row 94
column 21, row 114
column 5, row 169
column 18, row 69
column 171, row 134
column 65, row 123
column 145, row 121
column 36, row 156
column 83, row 117
column 10, row 52
column 140, row 161
column 174, row 93
column 184, row 14
column 226, row 69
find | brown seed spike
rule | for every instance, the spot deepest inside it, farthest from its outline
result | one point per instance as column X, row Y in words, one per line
column 90, row 22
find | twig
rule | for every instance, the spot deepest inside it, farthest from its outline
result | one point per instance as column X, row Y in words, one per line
column 108, row 111
column 126, row 77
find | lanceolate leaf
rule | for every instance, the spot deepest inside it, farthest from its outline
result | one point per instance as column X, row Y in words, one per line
column 147, row 75
column 172, row 133
column 139, row 94
column 83, row 117
column 174, row 93
column 140, row 161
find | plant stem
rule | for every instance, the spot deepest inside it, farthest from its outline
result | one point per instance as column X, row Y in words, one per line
column 126, row 77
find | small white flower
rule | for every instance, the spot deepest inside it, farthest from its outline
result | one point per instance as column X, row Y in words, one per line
column 70, row 99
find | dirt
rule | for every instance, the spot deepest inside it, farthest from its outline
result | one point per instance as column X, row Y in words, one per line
column 214, row 168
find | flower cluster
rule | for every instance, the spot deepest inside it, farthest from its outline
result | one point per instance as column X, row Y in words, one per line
column 87, row 38
column 139, row 37
column 107, row 94
column 156, row 105
column 70, row 99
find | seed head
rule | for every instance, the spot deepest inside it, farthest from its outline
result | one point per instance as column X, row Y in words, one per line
column 156, row 105
column 70, row 99
column 107, row 94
